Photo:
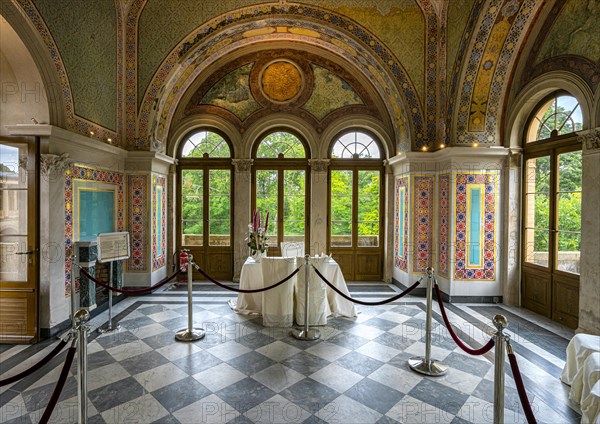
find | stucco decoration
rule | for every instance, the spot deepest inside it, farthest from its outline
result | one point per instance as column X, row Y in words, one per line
column 330, row 92
column 73, row 121
column 334, row 33
column 88, row 47
column 502, row 27
column 164, row 23
column 232, row 93
column 576, row 31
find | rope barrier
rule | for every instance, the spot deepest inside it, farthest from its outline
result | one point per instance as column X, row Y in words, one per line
column 60, row 384
column 481, row 351
column 212, row 280
column 36, row 366
column 124, row 291
column 361, row 302
column 520, row 386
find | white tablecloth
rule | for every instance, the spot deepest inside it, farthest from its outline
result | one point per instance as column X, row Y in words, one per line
column 251, row 277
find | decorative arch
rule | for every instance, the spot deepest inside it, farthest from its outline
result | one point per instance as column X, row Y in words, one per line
column 308, row 25
column 535, row 91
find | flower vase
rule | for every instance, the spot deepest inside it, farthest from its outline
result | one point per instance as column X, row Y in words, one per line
column 257, row 255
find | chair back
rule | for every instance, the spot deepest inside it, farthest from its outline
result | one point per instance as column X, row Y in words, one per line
column 290, row 249
column 318, row 309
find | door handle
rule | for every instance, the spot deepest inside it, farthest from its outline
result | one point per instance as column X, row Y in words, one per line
column 29, row 252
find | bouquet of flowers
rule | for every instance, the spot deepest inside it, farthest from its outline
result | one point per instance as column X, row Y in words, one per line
column 257, row 234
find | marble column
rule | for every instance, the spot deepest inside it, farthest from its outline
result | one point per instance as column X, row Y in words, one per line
column 511, row 237
column 318, row 206
column 241, row 212
column 589, row 285
column 87, row 254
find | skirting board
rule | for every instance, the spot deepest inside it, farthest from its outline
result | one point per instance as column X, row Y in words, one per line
column 420, row 292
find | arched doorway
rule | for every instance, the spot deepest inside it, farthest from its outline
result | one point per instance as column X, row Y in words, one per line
column 205, row 202
column 355, row 227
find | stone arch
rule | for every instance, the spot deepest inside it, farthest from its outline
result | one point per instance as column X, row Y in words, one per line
column 38, row 52
column 535, row 91
column 227, row 36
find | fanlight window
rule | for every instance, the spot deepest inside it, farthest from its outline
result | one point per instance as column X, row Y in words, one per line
column 557, row 116
column 205, row 144
column 355, row 145
column 280, row 144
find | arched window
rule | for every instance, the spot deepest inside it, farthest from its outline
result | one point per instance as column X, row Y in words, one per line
column 205, row 201
column 552, row 208
column 355, row 205
column 281, row 188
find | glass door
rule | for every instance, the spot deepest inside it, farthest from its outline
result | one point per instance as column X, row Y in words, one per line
column 18, row 241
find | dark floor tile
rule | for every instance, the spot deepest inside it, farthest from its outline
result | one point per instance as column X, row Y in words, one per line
column 116, row 338
column 347, row 340
column 132, row 325
column 98, row 359
column 305, row 363
column 485, row 391
column 401, row 361
column 245, row 394
column 198, row 362
column 410, row 311
column 39, row 397
column 24, row 419
column 154, row 309
column 255, row 340
column 143, row 362
column 96, row 419
column 169, row 419
column 382, row 324
column 176, row 324
column 467, row 364
column 386, row 420
column 440, row 396
column 8, row 396
column 180, row 394
column 310, row 395
column 359, row 363
column 241, row 419
column 443, row 340
column 160, row 340
column 395, row 341
column 250, row 363
column 377, row 396
column 313, row 419
column 459, row 420
column 114, row 394
column 340, row 323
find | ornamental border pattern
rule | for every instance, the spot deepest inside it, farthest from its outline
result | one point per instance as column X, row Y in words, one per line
column 399, row 262
column 158, row 261
column 73, row 121
column 444, row 215
column 138, row 187
column 423, row 195
column 332, row 19
column 490, row 180
column 88, row 174
column 131, row 34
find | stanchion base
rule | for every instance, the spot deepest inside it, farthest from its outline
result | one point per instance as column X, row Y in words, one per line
column 109, row 329
column 190, row 336
column 310, row 334
column 432, row 368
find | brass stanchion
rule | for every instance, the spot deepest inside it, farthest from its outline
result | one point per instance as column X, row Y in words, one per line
column 426, row 365
column 80, row 319
column 190, row 334
column 306, row 333
column 109, row 325
column 501, row 323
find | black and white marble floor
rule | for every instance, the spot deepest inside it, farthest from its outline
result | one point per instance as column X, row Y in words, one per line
column 242, row 372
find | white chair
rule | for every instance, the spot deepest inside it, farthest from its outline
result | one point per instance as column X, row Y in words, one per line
column 291, row 249
column 590, row 390
column 318, row 309
column 278, row 303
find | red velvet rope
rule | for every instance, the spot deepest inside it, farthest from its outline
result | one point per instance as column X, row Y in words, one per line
column 138, row 291
column 482, row 350
column 35, row 367
column 361, row 302
column 521, row 389
column 245, row 290
column 60, row 384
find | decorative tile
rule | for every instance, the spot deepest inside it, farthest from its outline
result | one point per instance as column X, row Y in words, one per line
column 401, row 214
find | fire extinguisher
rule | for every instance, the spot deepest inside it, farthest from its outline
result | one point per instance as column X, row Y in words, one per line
column 181, row 256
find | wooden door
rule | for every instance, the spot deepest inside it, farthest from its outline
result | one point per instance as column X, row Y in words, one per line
column 19, row 249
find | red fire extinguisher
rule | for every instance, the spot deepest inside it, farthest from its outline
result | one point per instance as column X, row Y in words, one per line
column 183, row 259
column 183, row 263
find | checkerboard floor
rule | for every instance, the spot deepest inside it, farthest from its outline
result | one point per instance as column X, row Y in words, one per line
column 242, row 372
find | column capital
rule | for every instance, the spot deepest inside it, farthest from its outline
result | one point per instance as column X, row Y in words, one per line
column 319, row 165
column 50, row 164
column 590, row 139
column 242, row 165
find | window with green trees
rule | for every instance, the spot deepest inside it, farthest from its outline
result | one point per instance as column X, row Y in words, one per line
column 552, row 186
